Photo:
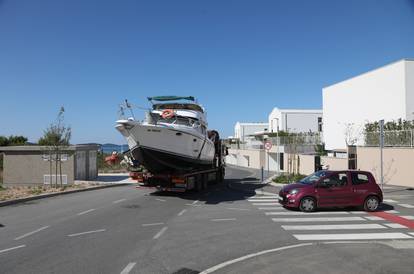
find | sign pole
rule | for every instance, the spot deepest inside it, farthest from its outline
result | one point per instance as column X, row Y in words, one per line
column 381, row 139
column 268, row 147
column 268, row 169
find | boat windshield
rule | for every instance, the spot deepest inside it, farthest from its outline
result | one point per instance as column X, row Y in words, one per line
column 178, row 106
column 313, row 177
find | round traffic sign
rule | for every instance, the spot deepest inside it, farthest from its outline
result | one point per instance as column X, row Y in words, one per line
column 268, row 145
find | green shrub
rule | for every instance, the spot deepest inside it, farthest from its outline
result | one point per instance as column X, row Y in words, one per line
column 288, row 178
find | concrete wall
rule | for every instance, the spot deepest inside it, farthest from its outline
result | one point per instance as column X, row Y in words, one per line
column 398, row 164
column 28, row 168
column 306, row 164
column 334, row 163
column 375, row 95
column 409, row 85
column 246, row 158
column 93, row 165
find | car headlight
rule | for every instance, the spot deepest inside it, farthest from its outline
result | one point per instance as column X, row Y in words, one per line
column 293, row 191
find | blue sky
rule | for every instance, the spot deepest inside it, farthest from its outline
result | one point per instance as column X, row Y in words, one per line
column 240, row 58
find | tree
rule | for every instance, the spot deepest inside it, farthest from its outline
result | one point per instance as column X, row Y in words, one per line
column 352, row 134
column 56, row 138
column 13, row 140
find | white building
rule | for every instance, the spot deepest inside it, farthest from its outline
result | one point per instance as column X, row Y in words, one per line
column 384, row 93
column 295, row 120
column 242, row 130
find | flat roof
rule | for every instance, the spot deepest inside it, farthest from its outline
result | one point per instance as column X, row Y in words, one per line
column 42, row 148
column 252, row 123
column 296, row 110
column 372, row 70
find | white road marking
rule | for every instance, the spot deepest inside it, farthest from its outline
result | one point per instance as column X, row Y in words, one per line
column 161, row 200
column 394, row 225
column 196, row 201
column 181, row 212
column 86, row 232
column 271, row 208
column 118, row 201
column 307, row 214
column 358, row 212
column 160, row 232
column 31, row 233
column 152, row 224
column 12, row 248
column 332, row 227
column 192, row 204
column 226, row 219
column 406, row 205
column 409, row 217
column 235, row 208
column 264, row 193
column 246, row 257
column 264, row 197
column 265, row 204
column 262, row 200
column 390, row 201
column 318, row 219
column 411, row 233
column 391, row 211
column 128, row 268
column 86, row 211
column 374, row 218
column 351, row 236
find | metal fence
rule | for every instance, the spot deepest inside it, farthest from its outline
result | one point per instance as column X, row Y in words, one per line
column 299, row 140
column 392, row 138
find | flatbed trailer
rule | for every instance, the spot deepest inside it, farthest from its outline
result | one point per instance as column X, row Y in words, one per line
column 194, row 180
column 182, row 181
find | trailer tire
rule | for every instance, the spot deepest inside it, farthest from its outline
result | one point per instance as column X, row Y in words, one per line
column 199, row 183
column 205, row 181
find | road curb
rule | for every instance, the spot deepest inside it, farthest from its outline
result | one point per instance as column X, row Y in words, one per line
column 22, row 200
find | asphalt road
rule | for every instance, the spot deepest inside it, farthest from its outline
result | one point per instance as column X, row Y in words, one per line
column 234, row 227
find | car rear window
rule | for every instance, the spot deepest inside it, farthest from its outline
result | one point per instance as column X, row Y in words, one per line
column 359, row 178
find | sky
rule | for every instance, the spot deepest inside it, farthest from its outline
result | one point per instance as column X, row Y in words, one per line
column 240, row 58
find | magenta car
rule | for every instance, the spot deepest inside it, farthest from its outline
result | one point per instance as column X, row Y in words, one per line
column 326, row 188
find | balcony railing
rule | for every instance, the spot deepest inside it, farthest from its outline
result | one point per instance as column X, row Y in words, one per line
column 298, row 139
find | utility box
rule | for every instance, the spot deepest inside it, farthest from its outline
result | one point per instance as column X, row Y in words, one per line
column 36, row 165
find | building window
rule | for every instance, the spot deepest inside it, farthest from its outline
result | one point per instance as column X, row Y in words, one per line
column 319, row 124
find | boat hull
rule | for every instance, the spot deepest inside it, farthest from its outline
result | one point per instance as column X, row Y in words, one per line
column 163, row 149
column 157, row 161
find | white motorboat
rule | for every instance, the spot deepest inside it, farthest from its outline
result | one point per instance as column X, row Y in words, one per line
column 173, row 137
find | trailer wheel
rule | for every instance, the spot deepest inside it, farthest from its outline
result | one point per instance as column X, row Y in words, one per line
column 198, row 183
column 204, row 181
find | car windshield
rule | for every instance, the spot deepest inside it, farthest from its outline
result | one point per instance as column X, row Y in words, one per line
column 313, row 177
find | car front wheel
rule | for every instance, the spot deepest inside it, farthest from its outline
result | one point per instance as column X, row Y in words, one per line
column 371, row 203
column 307, row 204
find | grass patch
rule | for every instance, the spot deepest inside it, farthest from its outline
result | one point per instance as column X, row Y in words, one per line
column 36, row 190
column 288, row 178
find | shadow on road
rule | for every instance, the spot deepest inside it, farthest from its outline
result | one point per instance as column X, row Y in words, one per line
column 229, row 191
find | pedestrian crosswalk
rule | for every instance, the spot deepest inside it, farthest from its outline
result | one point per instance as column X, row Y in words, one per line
column 333, row 224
